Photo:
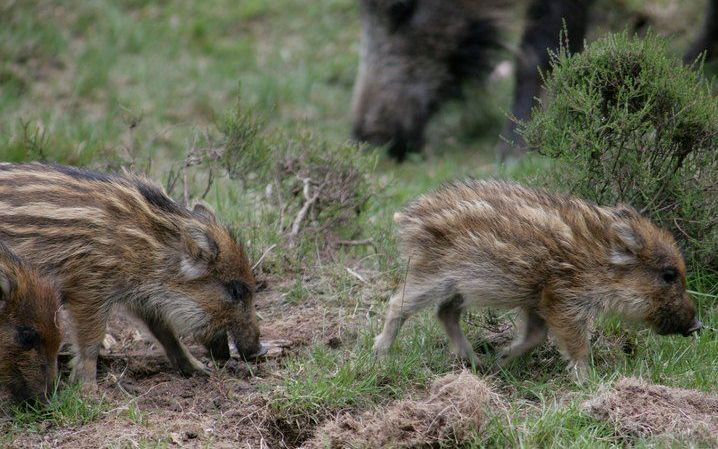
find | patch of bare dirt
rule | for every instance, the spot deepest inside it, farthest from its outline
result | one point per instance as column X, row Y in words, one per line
column 148, row 402
column 640, row 409
column 302, row 324
column 457, row 408
column 189, row 413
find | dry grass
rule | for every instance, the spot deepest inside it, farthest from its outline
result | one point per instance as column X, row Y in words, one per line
column 639, row 409
column 455, row 411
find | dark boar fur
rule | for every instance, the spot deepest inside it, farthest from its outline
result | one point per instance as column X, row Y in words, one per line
column 707, row 40
column 415, row 54
column 29, row 332
column 119, row 240
column 560, row 260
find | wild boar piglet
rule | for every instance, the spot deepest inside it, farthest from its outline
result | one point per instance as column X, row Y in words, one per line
column 120, row 240
column 558, row 259
column 30, row 334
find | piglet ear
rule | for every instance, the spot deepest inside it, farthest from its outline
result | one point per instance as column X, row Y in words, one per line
column 627, row 238
column 201, row 245
column 627, row 243
column 7, row 284
column 619, row 257
column 8, row 280
column 192, row 269
column 204, row 212
column 201, row 250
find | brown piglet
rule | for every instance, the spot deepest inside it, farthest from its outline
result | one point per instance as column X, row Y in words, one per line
column 558, row 259
column 119, row 240
column 30, row 335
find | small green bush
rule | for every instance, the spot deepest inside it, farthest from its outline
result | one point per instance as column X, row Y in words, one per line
column 316, row 186
column 626, row 121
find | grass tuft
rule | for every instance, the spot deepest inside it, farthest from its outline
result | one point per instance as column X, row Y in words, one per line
column 67, row 407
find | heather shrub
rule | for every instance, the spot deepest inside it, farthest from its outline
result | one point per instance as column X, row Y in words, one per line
column 626, row 122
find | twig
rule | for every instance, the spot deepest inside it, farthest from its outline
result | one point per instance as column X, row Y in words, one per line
column 185, row 182
column 266, row 251
column 172, row 180
column 356, row 242
column 675, row 222
column 280, row 200
column 302, row 214
column 210, row 181
column 356, row 275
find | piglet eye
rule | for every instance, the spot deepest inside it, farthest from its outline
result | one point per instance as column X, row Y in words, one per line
column 27, row 338
column 238, row 290
column 669, row 276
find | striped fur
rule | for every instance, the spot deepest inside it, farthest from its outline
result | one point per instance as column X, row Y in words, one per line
column 559, row 259
column 120, row 240
column 29, row 332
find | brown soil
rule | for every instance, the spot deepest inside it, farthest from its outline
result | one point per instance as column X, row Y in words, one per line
column 226, row 409
column 639, row 409
column 456, row 408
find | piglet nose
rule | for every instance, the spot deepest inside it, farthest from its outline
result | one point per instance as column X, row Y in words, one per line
column 696, row 326
column 263, row 349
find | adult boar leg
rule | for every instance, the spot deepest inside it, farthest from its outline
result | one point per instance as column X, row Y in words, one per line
column 449, row 314
column 708, row 39
column 176, row 352
column 533, row 333
column 544, row 24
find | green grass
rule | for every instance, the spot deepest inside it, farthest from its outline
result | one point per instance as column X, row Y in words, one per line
column 125, row 83
column 547, row 402
column 67, row 407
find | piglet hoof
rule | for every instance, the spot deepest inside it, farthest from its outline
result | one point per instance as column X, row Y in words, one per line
column 89, row 387
column 579, row 372
column 472, row 363
column 90, row 391
column 263, row 350
column 495, row 368
column 194, row 368
column 380, row 348
column 203, row 370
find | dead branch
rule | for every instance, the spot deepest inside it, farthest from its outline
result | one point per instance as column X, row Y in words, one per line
column 308, row 203
column 185, row 182
column 356, row 242
column 356, row 275
column 210, row 181
column 266, row 251
column 280, row 200
column 172, row 180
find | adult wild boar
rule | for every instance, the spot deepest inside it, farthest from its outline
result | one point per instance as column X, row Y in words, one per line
column 415, row 54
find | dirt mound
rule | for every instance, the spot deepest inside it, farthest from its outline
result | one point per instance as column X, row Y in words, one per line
column 456, row 409
column 640, row 409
